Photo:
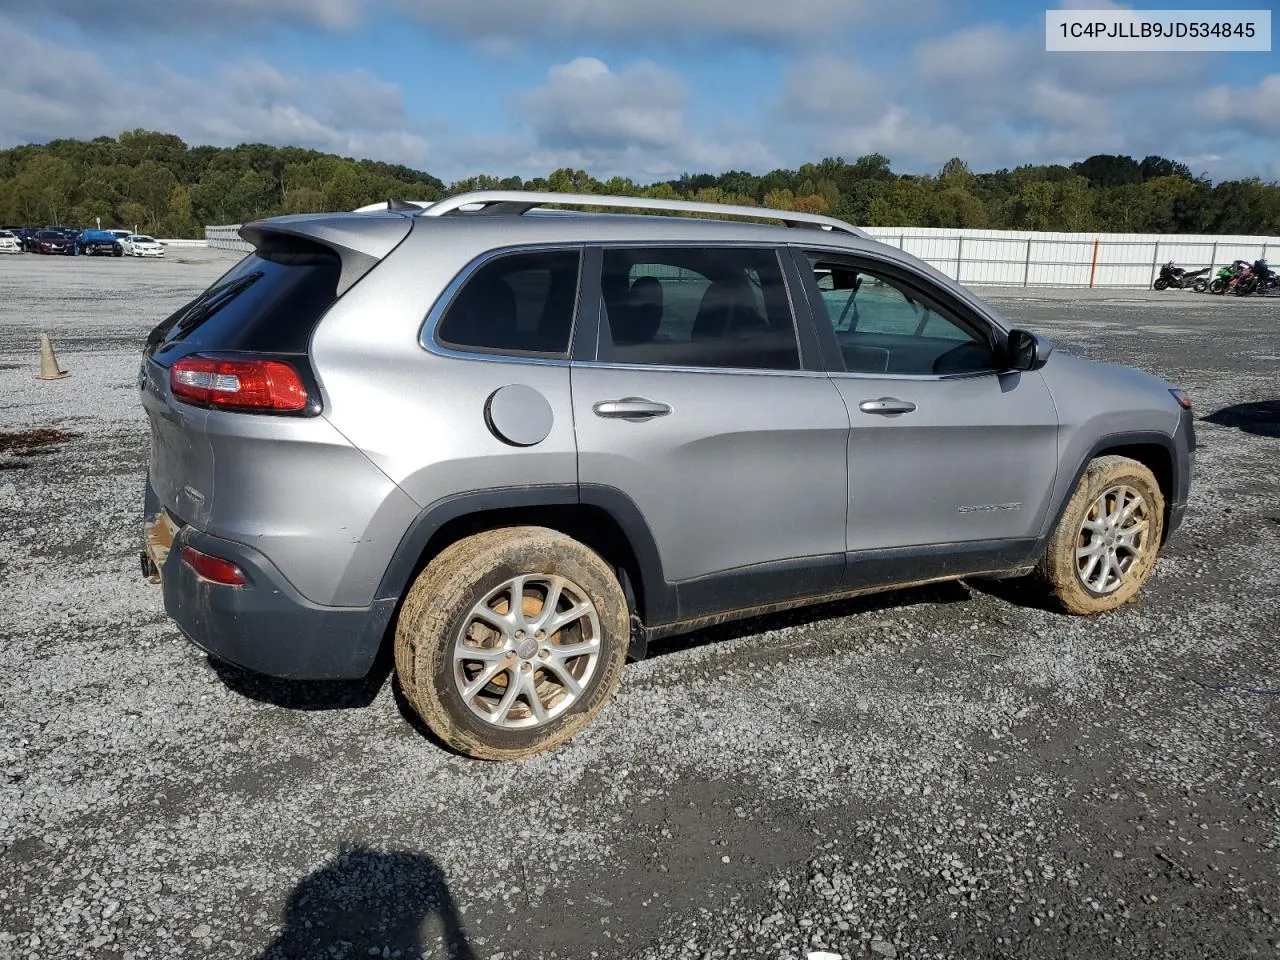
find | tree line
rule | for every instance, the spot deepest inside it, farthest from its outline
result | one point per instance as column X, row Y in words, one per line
column 158, row 184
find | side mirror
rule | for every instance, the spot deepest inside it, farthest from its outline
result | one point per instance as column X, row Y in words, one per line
column 1026, row 351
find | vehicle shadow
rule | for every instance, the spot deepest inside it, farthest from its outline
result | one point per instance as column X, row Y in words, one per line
column 951, row 591
column 306, row 694
column 1020, row 592
column 1261, row 418
column 364, row 903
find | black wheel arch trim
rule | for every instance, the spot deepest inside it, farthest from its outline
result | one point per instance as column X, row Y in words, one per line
column 1178, row 479
column 657, row 597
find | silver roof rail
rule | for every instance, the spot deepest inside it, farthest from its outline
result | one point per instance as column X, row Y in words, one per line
column 519, row 202
column 393, row 205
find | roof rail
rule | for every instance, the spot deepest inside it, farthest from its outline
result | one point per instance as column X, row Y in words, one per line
column 519, row 202
column 393, row 204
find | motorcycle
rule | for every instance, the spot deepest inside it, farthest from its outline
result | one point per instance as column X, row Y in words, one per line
column 1172, row 275
column 1226, row 276
column 1257, row 277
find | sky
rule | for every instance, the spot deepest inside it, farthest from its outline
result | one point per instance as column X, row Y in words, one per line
column 647, row 89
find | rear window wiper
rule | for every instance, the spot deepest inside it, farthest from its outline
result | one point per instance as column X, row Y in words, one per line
column 204, row 306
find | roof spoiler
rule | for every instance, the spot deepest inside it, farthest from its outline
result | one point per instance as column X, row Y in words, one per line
column 359, row 243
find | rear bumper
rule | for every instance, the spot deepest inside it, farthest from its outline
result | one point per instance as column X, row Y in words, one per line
column 1184, row 453
column 266, row 626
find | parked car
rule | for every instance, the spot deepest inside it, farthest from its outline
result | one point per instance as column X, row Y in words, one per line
column 517, row 448
column 100, row 243
column 139, row 245
column 26, row 239
column 9, row 242
column 54, row 242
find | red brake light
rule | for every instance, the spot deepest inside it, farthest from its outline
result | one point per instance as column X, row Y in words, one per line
column 214, row 568
column 238, row 384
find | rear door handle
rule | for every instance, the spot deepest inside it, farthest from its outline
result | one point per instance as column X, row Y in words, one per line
column 631, row 408
column 886, row 406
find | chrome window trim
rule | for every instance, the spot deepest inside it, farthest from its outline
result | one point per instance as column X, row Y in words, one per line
column 674, row 368
column 427, row 333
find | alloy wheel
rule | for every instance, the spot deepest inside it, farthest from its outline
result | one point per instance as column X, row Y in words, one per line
column 1112, row 538
column 527, row 651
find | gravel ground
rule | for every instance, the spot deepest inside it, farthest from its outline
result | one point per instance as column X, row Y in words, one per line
column 950, row 772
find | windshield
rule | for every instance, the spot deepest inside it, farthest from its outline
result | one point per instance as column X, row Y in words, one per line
column 143, row 240
column 48, row 235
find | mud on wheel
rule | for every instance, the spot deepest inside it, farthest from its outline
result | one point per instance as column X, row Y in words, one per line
column 511, row 641
column 1105, row 544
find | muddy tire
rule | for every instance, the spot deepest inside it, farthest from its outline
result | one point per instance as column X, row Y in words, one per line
column 511, row 641
column 1105, row 544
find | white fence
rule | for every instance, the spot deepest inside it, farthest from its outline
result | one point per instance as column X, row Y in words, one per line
column 1025, row 259
column 226, row 238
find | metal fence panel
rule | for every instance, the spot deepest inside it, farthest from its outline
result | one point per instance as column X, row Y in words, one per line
column 227, row 238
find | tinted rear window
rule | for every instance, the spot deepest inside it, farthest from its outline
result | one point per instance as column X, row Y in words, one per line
column 520, row 303
column 262, row 305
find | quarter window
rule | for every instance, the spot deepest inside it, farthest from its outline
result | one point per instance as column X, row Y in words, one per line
column 884, row 326
column 696, row 307
column 521, row 303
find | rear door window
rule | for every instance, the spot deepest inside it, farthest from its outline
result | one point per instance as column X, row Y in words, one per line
column 696, row 307
column 521, row 304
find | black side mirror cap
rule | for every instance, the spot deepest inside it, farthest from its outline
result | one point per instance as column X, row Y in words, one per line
column 1026, row 351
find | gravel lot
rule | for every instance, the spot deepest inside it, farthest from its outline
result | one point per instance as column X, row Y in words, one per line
column 949, row 772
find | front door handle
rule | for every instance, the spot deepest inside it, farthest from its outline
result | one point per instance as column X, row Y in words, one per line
column 631, row 408
column 886, row 406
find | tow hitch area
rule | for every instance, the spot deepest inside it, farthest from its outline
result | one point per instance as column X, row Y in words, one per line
column 160, row 532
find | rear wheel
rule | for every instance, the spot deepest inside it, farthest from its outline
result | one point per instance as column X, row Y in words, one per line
column 1104, row 547
column 1201, row 286
column 511, row 641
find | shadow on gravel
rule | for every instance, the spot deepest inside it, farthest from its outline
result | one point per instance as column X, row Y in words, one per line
column 949, row 592
column 305, row 694
column 365, row 903
column 1262, row 418
column 1019, row 591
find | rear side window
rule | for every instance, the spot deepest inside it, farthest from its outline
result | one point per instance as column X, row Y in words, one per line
column 269, row 302
column 520, row 303
column 697, row 307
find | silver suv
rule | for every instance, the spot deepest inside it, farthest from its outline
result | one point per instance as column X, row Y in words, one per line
column 519, row 444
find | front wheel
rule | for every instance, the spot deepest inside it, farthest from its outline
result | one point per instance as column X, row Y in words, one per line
column 1161, row 283
column 511, row 641
column 1104, row 546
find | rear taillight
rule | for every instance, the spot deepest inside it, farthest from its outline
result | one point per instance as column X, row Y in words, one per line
column 214, row 569
column 261, row 385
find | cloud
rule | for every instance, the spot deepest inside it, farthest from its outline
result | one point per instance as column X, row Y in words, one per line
column 1246, row 108
column 48, row 90
column 131, row 17
column 585, row 104
column 631, row 121
column 825, row 89
column 663, row 20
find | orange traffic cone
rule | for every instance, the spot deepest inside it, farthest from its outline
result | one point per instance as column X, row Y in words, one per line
column 49, row 369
